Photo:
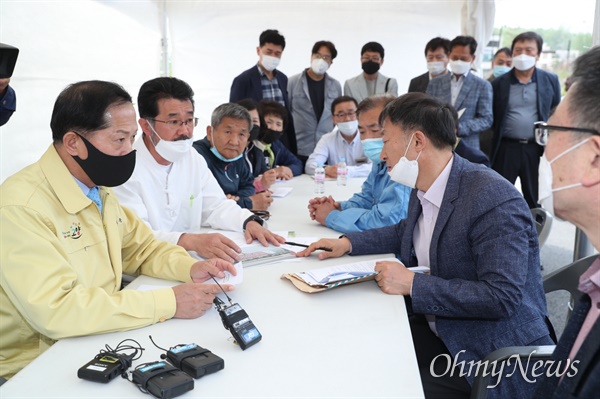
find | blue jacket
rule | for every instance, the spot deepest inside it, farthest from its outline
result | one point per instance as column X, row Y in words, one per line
column 548, row 97
column 283, row 157
column 8, row 105
column 381, row 202
column 475, row 98
column 247, row 85
column 485, row 286
column 586, row 382
column 234, row 178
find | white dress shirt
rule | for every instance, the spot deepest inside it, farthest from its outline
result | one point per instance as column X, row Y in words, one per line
column 332, row 147
column 178, row 198
column 431, row 201
column 456, row 84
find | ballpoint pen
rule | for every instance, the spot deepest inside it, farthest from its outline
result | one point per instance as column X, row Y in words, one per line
column 306, row 246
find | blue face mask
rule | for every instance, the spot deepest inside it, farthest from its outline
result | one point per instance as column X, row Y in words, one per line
column 217, row 154
column 372, row 149
column 500, row 70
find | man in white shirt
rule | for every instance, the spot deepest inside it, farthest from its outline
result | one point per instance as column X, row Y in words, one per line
column 342, row 142
column 171, row 188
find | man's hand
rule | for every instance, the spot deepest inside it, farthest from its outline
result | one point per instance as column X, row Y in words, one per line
column 394, row 278
column 339, row 247
column 312, row 205
column 261, row 201
column 331, row 171
column 284, row 173
column 4, row 85
column 254, row 231
column 233, row 197
column 193, row 300
column 321, row 212
column 268, row 178
column 201, row 271
column 210, row 246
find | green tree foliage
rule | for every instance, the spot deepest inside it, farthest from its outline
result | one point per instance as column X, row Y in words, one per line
column 556, row 39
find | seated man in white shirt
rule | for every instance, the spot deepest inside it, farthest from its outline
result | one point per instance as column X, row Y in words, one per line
column 342, row 142
column 171, row 188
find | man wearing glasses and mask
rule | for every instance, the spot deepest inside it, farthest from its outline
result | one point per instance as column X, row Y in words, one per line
column 569, row 176
column 172, row 188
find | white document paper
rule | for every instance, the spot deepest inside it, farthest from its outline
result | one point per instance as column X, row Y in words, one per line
column 341, row 272
column 280, row 192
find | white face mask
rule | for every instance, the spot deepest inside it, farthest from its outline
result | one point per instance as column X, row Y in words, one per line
column 269, row 63
column 460, row 67
column 406, row 172
column 348, row 128
column 172, row 151
column 545, row 190
column 436, row 67
column 319, row 66
column 523, row 62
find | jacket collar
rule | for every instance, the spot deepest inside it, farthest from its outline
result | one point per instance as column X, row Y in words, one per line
column 62, row 182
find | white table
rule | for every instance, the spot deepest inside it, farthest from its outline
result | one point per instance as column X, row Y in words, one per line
column 351, row 342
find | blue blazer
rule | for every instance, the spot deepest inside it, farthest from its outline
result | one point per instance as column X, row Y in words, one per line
column 475, row 98
column 247, row 85
column 586, row 382
column 485, row 286
column 548, row 97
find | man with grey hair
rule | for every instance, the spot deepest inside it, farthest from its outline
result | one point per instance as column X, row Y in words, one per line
column 171, row 188
column 570, row 187
column 223, row 149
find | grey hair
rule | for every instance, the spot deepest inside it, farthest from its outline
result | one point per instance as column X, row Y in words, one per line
column 371, row 102
column 230, row 110
column 585, row 92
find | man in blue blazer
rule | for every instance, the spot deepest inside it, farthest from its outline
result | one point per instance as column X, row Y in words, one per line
column 468, row 93
column 264, row 82
column 570, row 186
column 522, row 96
column 474, row 231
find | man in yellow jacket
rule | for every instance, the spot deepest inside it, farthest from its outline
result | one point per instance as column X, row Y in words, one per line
column 66, row 241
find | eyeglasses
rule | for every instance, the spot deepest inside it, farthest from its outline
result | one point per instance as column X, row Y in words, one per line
column 322, row 57
column 176, row 124
column 374, row 59
column 542, row 131
column 343, row 115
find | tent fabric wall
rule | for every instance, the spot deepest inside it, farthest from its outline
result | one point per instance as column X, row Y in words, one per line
column 211, row 42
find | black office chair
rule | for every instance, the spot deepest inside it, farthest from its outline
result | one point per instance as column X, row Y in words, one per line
column 543, row 223
column 566, row 278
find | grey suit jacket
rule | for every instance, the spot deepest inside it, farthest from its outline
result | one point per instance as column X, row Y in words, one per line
column 308, row 130
column 357, row 87
column 475, row 97
column 485, row 286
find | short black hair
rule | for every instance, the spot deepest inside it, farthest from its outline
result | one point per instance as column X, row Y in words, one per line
column 158, row 89
column 504, row 50
column 420, row 111
column 464, row 41
column 521, row 37
column 373, row 47
column 248, row 103
column 81, row 107
column 583, row 94
column 270, row 107
column 436, row 43
column 324, row 43
column 342, row 99
column 271, row 36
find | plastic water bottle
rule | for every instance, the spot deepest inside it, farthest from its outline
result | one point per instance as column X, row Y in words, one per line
column 320, row 179
column 342, row 172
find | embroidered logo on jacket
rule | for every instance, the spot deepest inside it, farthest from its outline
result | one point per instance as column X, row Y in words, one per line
column 73, row 232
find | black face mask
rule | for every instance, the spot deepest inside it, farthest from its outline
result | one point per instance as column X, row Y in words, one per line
column 269, row 136
column 370, row 67
column 106, row 170
column 253, row 133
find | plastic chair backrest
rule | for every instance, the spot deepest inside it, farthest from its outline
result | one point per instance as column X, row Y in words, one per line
column 543, row 223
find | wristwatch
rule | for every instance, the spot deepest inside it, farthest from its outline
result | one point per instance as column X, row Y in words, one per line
column 252, row 218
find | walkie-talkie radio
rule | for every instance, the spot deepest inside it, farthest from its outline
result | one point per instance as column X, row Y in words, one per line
column 236, row 320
